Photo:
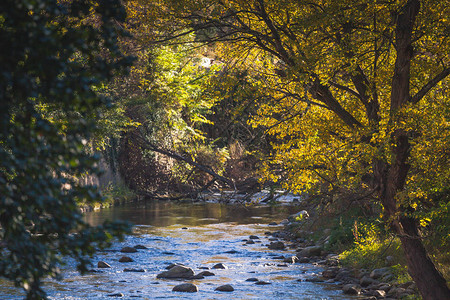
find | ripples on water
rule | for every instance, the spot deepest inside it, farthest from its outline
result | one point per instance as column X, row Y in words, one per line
column 212, row 230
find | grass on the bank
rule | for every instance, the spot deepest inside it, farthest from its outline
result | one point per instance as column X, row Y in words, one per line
column 365, row 243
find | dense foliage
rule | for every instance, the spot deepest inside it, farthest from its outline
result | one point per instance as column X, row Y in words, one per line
column 341, row 99
column 361, row 101
column 53, row 55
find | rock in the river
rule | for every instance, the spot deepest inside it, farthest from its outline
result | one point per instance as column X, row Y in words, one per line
column 173, row 265
column 128, row 250
column 225, row 288
column 219, row 266
column 206, row 273
column 125, row 259
column 134, row 270
column 185, row 287
column 304, row 260
column 115, row 295
column 249, row 242
column 252, row 279
column 102, row 264
column 314, row 279
column 276, row 246
column 291, row 259
column 231, row 252
column 273, row 224
column 260, row 282
column 142, row 247
column 310, row 251
column 254, row 237
column 177, row 272
column 351, row 289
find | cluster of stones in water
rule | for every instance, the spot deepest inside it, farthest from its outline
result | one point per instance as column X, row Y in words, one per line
column 180, row 271
column 124, row 259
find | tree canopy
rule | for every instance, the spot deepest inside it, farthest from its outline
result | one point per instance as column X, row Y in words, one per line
column 54, row 56
column 360, row 99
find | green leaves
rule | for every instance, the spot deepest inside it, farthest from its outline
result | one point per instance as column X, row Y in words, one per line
column 56, row 52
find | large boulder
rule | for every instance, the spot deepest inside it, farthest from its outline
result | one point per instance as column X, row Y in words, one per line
column 173, row 265
column 310, row 251
column 177, row 272
column 186, row 288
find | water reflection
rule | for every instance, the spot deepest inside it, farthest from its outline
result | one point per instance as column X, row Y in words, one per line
column 163, row 214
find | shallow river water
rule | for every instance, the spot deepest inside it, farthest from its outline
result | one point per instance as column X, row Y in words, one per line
column 198, row 235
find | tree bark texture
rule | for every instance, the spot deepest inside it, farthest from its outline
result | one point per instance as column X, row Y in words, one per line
column 391, row 177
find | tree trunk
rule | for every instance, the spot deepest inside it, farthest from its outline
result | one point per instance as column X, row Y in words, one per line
column 391, row 179
column 428, row 279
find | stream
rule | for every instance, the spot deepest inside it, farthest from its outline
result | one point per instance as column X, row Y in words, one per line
column 198, row 235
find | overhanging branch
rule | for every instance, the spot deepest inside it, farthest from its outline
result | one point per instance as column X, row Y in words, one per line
column 431, row 84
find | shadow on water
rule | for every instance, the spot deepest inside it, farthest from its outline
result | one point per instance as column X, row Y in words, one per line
column 198, row 235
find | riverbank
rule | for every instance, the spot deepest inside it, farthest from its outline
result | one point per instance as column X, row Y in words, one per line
column 377, row 275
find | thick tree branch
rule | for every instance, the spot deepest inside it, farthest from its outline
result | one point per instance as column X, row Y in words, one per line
column 431, row 84
column 324, row 95
column 275, row 34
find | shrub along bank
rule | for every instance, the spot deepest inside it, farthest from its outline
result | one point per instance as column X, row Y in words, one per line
column 359, row 252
